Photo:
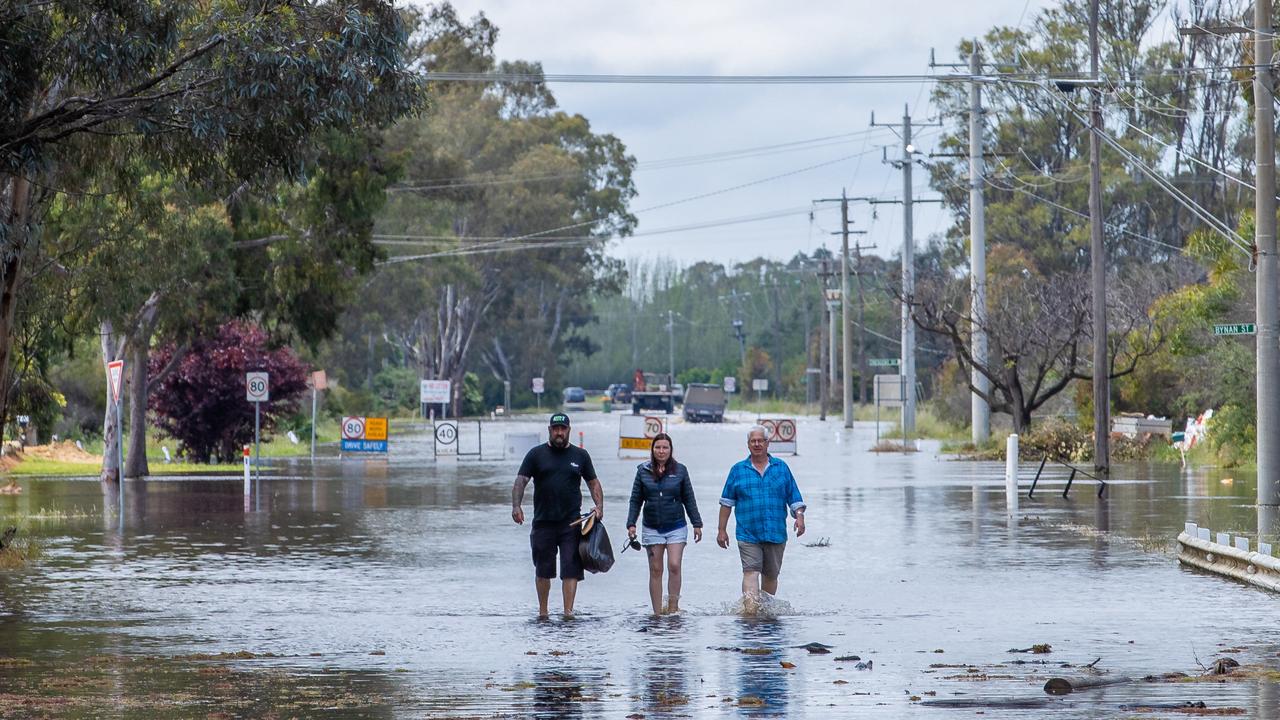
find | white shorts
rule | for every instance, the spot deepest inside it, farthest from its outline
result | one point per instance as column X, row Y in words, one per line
column 653, row 537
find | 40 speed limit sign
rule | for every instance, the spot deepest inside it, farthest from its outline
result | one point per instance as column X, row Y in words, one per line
column 446, row 437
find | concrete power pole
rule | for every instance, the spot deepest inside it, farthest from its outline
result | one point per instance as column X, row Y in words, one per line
column 979, row 409
column 671, row 347
column 1098, row 264
column 1265, row 242
column 846, row 349
column 822, row 356
column 908, row 362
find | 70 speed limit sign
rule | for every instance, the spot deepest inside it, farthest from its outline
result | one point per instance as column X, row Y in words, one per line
column 257, row 387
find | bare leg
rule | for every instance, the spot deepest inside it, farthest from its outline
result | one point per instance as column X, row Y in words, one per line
column 769, row 584
column 569, row 588
column 544, row 590
column 675, row 557
column 655, row 576
column 750, row 582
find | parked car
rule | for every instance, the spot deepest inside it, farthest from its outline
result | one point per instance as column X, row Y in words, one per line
column 678, row 390
column 621, row 394
column 575, row 395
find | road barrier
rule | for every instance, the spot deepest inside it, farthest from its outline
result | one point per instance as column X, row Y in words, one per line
column 636, row 433
column 782, row 434
column 1225, row 557
column 516, row 445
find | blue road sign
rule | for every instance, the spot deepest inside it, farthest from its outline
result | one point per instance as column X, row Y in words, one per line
column 373, row 446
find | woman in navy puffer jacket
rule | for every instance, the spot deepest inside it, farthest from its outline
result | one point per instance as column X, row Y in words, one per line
column 663, row 489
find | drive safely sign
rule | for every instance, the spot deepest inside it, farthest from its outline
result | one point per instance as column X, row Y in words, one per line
column 364, row 434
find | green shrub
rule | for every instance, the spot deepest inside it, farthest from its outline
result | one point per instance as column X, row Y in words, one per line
column 1233, row 436
column 1058, row 439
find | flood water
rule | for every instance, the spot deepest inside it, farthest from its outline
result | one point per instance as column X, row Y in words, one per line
column 401, row 588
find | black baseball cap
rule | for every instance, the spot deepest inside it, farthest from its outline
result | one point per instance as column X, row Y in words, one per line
column 559, row 419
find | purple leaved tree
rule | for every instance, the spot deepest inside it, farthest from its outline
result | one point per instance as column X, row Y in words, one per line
column 201, row 403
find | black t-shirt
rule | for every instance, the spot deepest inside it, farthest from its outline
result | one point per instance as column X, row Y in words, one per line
column 557, row 475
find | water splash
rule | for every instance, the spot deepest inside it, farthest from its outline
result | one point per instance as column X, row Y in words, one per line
column 758, row 605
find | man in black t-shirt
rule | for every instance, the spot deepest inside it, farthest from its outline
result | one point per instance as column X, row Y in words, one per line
column 557, row 470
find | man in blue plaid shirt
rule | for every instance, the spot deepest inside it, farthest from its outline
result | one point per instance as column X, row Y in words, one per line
column 762, row 490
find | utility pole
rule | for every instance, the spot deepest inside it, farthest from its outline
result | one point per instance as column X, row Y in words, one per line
column 671, row 348
column 829, row 307
column 907, row 364
column 1098, row 264
column 734, row 297
column 846, row 341
column 824, row 273
column 979, row 410
column 1265, row 244
column 862, row 335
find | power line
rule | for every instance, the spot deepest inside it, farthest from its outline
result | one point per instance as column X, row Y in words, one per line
column 662, row 164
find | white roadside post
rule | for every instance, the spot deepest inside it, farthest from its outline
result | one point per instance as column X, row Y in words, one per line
column 257, row 391
column 247, row 482
column 115, row 381
column 1011, row 476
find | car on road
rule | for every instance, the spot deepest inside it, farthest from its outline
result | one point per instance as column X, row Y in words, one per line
column 704, row 402
column 621, row 394
column 575, row 395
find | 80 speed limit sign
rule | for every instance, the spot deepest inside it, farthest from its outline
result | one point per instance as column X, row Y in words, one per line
column 352, row 428
column 257, row 387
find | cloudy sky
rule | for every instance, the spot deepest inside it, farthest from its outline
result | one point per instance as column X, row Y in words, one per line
column 659, row 123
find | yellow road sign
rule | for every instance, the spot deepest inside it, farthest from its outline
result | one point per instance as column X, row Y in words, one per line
column 375, row 428
column 628, row 443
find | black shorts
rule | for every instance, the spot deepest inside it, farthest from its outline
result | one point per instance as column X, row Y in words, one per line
column 545, row 540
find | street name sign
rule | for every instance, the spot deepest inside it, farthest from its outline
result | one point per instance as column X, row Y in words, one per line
column 883, row 362
column 1236, row 329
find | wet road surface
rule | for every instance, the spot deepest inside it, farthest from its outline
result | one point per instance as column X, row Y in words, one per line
column 401, row 588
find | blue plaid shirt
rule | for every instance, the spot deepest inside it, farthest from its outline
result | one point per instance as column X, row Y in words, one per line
column 760, row 501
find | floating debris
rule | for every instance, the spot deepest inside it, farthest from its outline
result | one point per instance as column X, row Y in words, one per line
column 1197, row 708
column 848, row 658
column 1042, row 649
column 815, row 648
column 821, row 543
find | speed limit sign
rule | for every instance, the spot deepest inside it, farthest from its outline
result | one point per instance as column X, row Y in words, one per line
column 352, row 428
column 257, row 387
column 652, row 426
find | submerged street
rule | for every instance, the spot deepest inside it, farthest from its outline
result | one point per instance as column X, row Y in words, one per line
column 401, row 588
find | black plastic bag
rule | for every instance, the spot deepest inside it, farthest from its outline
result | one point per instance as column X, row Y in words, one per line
column 595, row 550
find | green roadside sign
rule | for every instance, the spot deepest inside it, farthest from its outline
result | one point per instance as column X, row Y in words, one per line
column 883, row 362
column 1236, row 329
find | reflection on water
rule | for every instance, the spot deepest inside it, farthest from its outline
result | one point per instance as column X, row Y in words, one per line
column 763, row 676
column 408, row 581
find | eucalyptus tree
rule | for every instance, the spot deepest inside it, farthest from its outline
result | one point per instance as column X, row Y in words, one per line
column 228, row 95
column 506, row 207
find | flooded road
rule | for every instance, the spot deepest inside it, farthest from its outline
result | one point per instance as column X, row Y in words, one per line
column 401, row 588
